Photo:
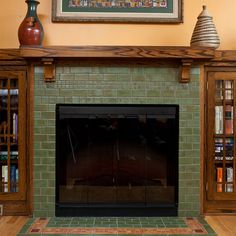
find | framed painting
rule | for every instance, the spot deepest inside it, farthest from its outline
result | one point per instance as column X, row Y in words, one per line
column 139, row 11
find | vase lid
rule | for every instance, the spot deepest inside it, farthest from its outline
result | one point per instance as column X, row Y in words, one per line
column 204, row 12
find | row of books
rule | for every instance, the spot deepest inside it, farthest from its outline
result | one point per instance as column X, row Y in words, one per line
column 224, row 148
column 229, row 179
column 4, row 129
column 4, row 155
column 14, row 176
column 222, row 125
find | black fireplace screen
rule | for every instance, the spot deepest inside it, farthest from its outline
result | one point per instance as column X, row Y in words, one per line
column 116, row 160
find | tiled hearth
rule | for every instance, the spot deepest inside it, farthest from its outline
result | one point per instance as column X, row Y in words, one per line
column 116, row 226
column 116, row 84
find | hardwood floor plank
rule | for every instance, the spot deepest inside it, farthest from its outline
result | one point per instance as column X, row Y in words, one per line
column 11, row 225
column 222, row 225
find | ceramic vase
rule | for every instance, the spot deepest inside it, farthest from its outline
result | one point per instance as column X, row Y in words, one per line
column 31, row 31
column 205, row 34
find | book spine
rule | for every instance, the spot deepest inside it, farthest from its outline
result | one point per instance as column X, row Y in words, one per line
column 228, row 119
column 219, row 179
column 219, row 119
column 5, row 178
column 219, row 146
column 229, row 149
column 14, row 126
column 13, row 178
column 229, row 177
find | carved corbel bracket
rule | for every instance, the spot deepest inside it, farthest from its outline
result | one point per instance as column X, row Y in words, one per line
column 185, row 73
column 49, row 69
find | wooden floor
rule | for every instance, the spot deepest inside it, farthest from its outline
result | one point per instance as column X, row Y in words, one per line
column 223, row 225
column 11, row 225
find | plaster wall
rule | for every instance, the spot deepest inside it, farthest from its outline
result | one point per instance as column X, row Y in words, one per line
column 12, row 13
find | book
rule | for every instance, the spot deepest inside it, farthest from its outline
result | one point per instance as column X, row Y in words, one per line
column 219, row 119
column 219, row 147
column 15, row 126
column 229, row 149
column 13, row 178
column 5, row 178
column 229, row 119
column 4, row 155
column 229, row 178
column 219, row 178
column 230, row 174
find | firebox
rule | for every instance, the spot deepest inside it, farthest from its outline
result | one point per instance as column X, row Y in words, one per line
column 117, row 160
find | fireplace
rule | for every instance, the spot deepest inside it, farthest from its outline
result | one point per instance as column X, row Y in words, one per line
column 117, row 160
column 116, row 83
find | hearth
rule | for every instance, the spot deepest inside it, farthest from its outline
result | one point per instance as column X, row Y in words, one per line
column 117, row 160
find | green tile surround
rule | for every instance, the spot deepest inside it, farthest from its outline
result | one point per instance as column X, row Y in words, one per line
column 116, row 85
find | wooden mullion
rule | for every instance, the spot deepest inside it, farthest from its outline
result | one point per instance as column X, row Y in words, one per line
column 224, row 143
column 8, row 134
column 21, row 136
column 212, row 183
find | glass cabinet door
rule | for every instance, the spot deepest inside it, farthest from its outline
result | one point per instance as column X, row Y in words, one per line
column 9, row 134
column 12, row 151
column 221, row 136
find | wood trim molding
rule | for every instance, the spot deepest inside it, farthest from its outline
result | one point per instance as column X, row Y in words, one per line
column 49, row 69
column 186, row 66
column 11, row 57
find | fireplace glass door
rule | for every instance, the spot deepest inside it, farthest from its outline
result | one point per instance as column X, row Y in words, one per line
column 116, row 157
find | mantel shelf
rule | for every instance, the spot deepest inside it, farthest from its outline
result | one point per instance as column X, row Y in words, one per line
column 117, row 52
column 48, row 54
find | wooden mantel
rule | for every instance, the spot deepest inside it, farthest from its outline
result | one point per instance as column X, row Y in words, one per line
column 186, row 55
column 117, row 52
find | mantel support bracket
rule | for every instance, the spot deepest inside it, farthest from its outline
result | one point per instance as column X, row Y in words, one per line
column 49, row 69
column 185, row 73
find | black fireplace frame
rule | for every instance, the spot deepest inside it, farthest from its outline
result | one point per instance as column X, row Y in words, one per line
column 69, row 209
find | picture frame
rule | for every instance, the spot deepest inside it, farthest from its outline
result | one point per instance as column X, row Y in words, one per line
column 121, row 11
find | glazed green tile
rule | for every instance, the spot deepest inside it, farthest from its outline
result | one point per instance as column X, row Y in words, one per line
column 124, row 93
column 110, row 77
column 81, row 70
column 25, row 228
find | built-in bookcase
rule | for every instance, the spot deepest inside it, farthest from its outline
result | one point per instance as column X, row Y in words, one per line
column 221, row 137
column 12, row 136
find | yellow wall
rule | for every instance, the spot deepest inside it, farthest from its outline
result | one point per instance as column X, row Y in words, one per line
column 12, row 13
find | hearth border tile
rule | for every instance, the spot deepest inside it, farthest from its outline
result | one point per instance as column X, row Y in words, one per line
column 193, row 226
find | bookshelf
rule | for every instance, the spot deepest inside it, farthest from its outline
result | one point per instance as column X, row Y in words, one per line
column 12, row 140
column 220, row 168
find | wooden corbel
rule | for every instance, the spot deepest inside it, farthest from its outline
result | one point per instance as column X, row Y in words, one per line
column 185, row 73
column 49, row 69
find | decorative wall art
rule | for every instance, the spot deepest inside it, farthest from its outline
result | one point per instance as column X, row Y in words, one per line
column 139, row 11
